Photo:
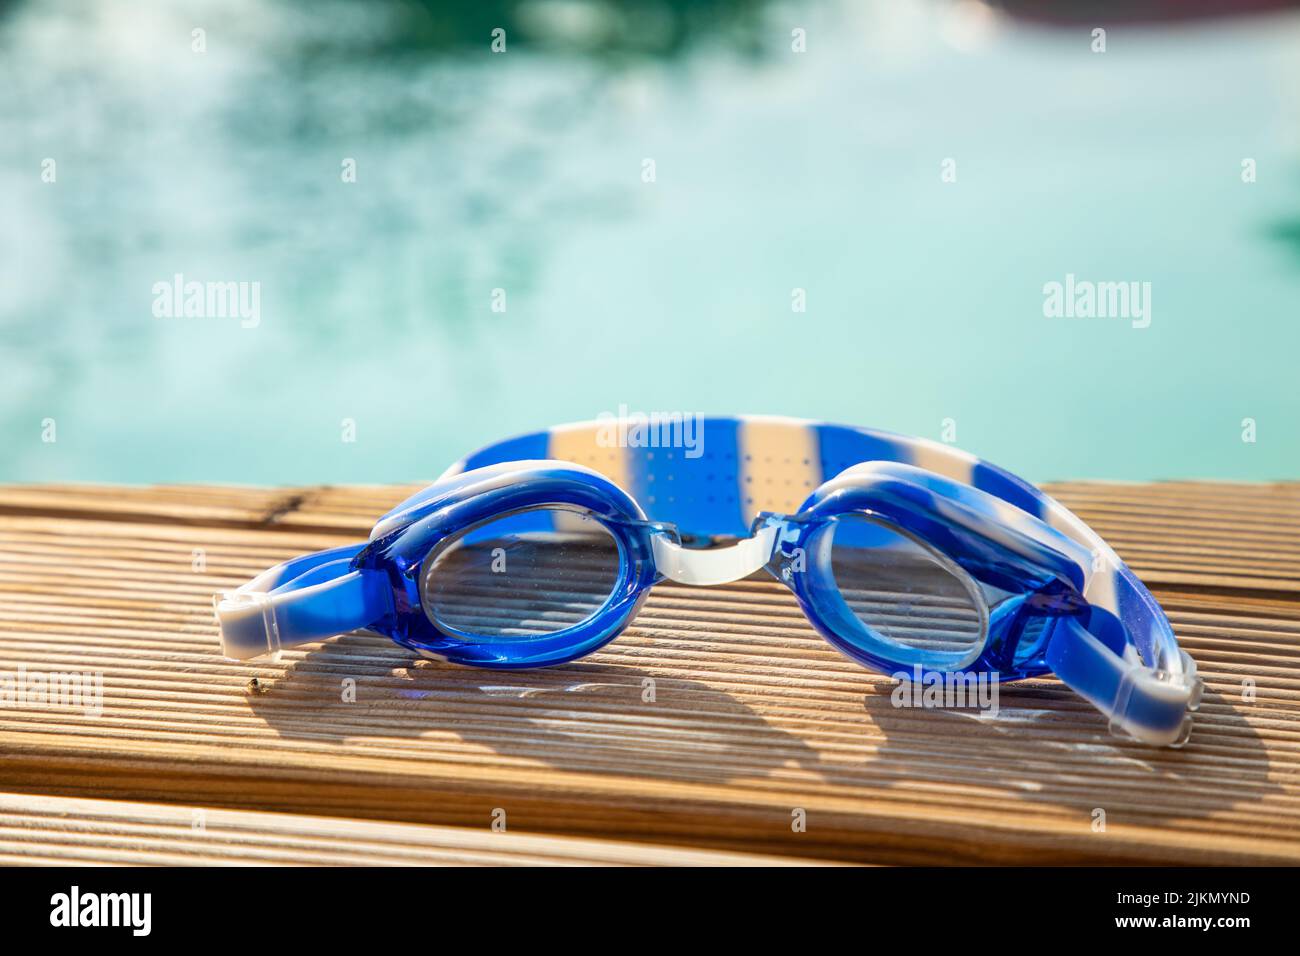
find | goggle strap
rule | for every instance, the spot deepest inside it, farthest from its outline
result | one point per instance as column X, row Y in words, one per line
column 301, row 601
column 1144, row 703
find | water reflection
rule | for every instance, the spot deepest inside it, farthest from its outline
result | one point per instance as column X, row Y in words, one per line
column 605, row 30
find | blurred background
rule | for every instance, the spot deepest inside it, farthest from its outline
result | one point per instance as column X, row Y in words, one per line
column 774, row 170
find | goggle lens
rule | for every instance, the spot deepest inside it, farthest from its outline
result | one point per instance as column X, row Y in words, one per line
column 523, row 575
column 906, row 595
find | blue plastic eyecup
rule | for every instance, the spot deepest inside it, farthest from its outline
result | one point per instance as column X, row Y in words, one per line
column 403, row 552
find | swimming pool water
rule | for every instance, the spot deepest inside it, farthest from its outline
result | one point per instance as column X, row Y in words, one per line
column 521, row 178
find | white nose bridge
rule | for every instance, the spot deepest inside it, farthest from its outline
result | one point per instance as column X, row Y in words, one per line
column 716, row 565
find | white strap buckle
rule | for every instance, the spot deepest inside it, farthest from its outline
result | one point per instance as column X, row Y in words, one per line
column 248, row 624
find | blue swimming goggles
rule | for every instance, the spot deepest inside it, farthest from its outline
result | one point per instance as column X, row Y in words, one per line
column 902, row 552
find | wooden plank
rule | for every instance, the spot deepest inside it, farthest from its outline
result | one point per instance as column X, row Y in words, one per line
column 752, row 718
column 62, row 831
column 207, row 505
column 349, row 510
column 1224, row 535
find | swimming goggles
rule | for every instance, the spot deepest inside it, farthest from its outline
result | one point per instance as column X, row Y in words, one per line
column 905, row 554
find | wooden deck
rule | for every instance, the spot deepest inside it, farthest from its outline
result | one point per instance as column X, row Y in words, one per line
column 754, row 718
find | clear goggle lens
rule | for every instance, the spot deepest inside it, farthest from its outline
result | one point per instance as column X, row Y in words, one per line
column 906, row 595
column 526, row 574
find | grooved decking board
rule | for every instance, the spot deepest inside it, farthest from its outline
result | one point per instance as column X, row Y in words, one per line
column 1223, row 535
column 39, row 830
column 753, row 717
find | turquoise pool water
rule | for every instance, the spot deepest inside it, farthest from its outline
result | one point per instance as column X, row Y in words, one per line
column 524, row 172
